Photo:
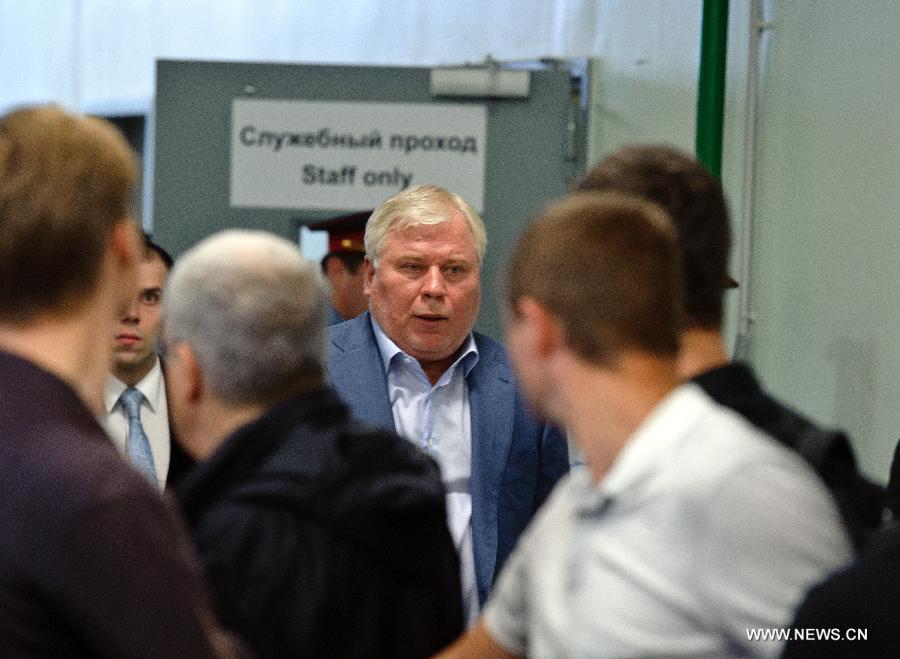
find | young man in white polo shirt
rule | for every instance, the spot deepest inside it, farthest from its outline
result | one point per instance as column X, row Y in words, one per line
column 687, row 528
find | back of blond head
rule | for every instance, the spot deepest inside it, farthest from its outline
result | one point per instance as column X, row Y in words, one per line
column 65, row 181
column 606, row 265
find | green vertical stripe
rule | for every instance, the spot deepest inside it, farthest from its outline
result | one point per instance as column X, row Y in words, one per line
column 711, row 84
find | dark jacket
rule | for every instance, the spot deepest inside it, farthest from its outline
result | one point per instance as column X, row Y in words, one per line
column 859, row 500
column 856, row 607
column 92, row 563
column 323, row 537
column 893, row 487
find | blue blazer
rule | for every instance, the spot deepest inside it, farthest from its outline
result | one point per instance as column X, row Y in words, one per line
column 516, row 460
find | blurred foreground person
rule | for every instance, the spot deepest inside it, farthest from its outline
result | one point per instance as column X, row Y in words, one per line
column 91, row 561
column 322, row 537
column 695, row 203
column 687, row 528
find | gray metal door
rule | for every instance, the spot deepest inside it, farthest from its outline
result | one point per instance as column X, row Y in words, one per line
column 533, row 149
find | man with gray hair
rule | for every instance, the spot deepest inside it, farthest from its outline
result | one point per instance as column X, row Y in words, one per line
column 321, row 536
column 412, row 363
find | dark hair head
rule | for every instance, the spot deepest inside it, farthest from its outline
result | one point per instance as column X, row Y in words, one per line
column 151, row 248
column 351, row 260
column 694, row 201
column 606, row 266
column 65, row 181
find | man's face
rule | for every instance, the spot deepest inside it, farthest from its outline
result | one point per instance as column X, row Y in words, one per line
column 347, row 288
column 425, row 291
column 519, row 336
column 134, row 344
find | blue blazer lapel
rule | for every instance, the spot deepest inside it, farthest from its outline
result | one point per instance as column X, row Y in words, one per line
column 357, row 372
column 492, row 398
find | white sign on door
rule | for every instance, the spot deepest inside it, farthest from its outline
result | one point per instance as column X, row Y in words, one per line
column 352, row 156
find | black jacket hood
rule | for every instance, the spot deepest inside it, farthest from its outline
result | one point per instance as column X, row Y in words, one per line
column 308, row 456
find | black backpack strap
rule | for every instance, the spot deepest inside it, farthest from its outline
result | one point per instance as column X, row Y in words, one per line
column 861, row 502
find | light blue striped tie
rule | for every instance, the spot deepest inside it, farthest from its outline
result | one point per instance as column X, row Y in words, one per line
column 137, row 446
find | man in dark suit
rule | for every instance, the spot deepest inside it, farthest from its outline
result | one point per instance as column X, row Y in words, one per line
column 137, row 373
column 412, row 363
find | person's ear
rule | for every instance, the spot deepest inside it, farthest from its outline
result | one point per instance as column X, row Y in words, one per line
column 194, row 385
column 125, row 244
column 545, row 332
column 368, row 274
column 122, row 253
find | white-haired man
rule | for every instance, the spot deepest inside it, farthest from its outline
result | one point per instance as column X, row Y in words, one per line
column 413, row 363
column 321, row 536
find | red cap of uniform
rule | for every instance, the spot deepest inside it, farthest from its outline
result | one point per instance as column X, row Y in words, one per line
column 345, row 232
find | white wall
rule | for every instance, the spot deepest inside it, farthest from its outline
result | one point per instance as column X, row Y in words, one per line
column 99, row 54
column 644, row 86
column 644, row 89
column 825, row 252
column 827, row 246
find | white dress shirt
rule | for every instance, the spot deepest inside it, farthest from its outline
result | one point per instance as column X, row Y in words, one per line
column 154, row 417
column 703, row 528
column 437, row 419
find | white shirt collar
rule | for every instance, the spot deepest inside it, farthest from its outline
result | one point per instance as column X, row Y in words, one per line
column 649, row 449
column 151, row 385
column 389, row 350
